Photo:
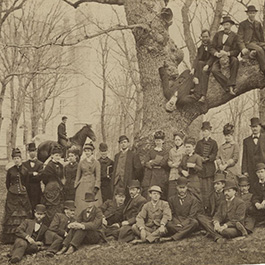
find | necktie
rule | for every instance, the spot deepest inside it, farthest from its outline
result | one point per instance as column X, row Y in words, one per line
column 255, row 139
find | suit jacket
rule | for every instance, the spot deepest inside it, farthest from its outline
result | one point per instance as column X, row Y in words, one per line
column 207, row 149
column 93, row 221
column 214, row 201
column 112, row 213
column 187, row 210
column 154, row 216
column 203, row 55
column 246, row 30
column 253, row 154
column 258, row 193
column 133, row 167
column 38, row 167
column 132, row 208
column 230, row 45
column 61, row 132
column 26, row 229
column 232, row 214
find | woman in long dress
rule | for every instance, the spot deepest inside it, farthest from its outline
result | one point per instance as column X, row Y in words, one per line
column 17, row 207
column 87, row 179
column 228, row 154
column 52, row 177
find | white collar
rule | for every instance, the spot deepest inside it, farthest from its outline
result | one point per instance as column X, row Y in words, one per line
column 158, row 149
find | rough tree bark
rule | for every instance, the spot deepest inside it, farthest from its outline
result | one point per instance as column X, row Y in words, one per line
column 154, row 47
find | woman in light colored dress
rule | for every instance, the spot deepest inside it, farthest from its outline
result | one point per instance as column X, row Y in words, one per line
column 87, row 179
column 228, row 154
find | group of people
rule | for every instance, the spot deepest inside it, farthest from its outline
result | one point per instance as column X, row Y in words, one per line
column 165, row 195
column 226, row 46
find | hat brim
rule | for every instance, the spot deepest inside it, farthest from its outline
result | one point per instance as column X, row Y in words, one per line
column 89, row 200
column 229, row 21
column 231, row 187
column 243, row 183
column 252, row 11
column 32, row 149
column 155, row 191
column 219, row 180
column 69, row 208
column 131, row 187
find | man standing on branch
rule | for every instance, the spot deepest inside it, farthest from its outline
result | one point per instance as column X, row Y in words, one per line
column 251, row 37
column 225, row 46
column 62, row 135
column 253, row 151
column 201, row 66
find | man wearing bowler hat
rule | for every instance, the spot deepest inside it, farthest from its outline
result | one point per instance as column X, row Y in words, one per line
column 207, row 148
column 106, row 169
column 59, row 228
column 152, row 220
column 34, row 167
column 86, row 229
column 229, row 219
column 253, row 151
column 127, row 166
column 225, row 46
column 131, row 209
column 251, row 37
column 30, row 235
column 184, row 207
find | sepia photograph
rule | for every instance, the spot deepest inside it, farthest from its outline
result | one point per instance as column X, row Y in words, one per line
column 132, row 132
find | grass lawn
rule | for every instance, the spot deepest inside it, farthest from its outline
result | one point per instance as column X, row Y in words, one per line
column 195, row 250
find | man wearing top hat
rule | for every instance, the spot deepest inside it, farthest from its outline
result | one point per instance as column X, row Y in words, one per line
column 225, row 45
column 30, row 235
column 34, row 167
column 207, row 148
column 201, row 66
column 106, row 169
column 251, row 37
column 184, row 207
column 151, row 221
column 127, row 166
column 59, row 228
column 86, row 229
column 253, row 151
column 131, row 209
column 229, row 219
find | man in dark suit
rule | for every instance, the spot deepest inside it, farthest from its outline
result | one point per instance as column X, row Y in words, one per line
column 131, row 209
column 30, row 235
column 86, row 229
column 127, row 166
column 229, row 219
column 251, row 37
column 59, row 228
column 62, row 135
column 253, row 152
column 34, row 167
column 201, row 66
column 184, row 207
column 207, row 148
column 225, row 46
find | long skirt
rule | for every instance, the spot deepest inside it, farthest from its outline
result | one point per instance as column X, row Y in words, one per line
column 84, row 187
column 17, row 209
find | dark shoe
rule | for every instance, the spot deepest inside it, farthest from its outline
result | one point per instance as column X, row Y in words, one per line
column 241, row 228
column 221, row 240
column 70, row 250
column 14, row 260
column 49, row 254
column 231, row 91
column 62, row 251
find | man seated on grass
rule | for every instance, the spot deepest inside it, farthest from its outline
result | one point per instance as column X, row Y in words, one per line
column 229, row 219
column 86, row 229
column 59, row 228
column 113, row 213
column 184, row 207
column 30, row 235
column 132, row 208
column 152, row 220
column 216, row 197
